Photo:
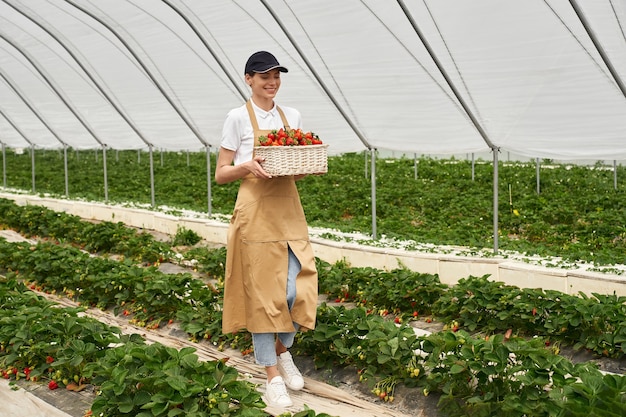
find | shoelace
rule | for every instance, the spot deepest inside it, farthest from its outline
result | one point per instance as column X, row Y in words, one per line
column 279, row 389
column 290, row 367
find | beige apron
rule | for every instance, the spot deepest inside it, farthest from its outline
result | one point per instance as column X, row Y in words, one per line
column 268, row 218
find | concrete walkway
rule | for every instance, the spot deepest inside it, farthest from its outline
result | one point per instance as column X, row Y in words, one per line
column 21, row 403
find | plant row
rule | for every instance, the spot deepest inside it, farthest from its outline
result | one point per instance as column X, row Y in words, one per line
column 383, row 352
column 42, row 342
column 596, row 323
column 104, row 237
column 577, row 215
column 399, row 290
column 473, row 375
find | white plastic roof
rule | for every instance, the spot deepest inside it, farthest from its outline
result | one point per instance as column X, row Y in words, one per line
column 528, row 72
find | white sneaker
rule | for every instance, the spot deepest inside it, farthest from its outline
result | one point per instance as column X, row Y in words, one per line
column 276, row 393
column 289, row 371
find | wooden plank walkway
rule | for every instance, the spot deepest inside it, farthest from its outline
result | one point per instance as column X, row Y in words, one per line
column 316, row 395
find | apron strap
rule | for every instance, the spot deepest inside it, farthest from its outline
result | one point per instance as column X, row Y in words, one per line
column 255, row 124
column 282, row 116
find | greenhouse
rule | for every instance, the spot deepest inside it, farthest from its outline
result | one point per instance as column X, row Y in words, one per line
column 474, row 200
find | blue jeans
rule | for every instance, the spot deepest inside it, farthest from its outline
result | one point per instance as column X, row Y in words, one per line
column 265, row 343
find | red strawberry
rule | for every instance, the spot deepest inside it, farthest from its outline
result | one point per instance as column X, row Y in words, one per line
column 53, row 385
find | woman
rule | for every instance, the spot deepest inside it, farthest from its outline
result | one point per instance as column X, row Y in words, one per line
column 271, row 282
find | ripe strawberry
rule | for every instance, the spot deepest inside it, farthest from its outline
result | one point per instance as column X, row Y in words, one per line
column 265, row 140
column 53, row 385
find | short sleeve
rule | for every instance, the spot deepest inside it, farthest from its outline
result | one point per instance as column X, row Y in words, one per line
column 231, row 135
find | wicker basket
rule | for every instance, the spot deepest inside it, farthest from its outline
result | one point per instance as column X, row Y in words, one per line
column 293, row 160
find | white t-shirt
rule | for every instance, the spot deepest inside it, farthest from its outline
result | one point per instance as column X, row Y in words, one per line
column 237, row 134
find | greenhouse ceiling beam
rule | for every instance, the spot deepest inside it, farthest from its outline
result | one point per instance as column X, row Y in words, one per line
column 32, row 108
column 338, row 106
column 598, row 46
column 32, row 153
column 147, row 71
column 445, row 75
column 60, row 93
column 57, row 89
column 242, row 93
column 321, row 82
column 495, row 149
column 70, row 50
column 17, row 128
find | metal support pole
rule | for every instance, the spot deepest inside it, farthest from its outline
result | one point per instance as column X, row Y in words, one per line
column 208, row 180
column 415, row 165
column 4, row 166
column 67, row 186
column 538, row 176
column 495, row 201
column 32, row 165
column 373, row 171
column 615, row 174
column 152, row 200
column 473, row 167
column 106, row 176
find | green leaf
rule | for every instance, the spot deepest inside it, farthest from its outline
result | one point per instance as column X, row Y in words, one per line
column 457, row 369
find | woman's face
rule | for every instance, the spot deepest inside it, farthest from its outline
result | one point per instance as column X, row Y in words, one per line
column 264, row 85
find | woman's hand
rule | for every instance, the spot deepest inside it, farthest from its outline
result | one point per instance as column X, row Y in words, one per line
column 226, row 172
column 256, row 169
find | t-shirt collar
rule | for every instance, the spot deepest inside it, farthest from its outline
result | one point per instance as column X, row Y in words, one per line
column 262, row 113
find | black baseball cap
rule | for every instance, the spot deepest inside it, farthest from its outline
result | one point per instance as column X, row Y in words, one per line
column 262, row 61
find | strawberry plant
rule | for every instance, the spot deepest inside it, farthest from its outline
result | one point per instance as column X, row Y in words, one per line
column 351, row 336
column 595, row 323
column 385, row 354
column 55, row 345
column 50, row 342
column 103, row 237
column 397, row 290
column 185, row 237
column 156, row 380
column 210, row 261
column 577, row 215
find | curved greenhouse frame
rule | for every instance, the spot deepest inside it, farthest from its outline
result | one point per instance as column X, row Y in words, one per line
column 540, row 79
